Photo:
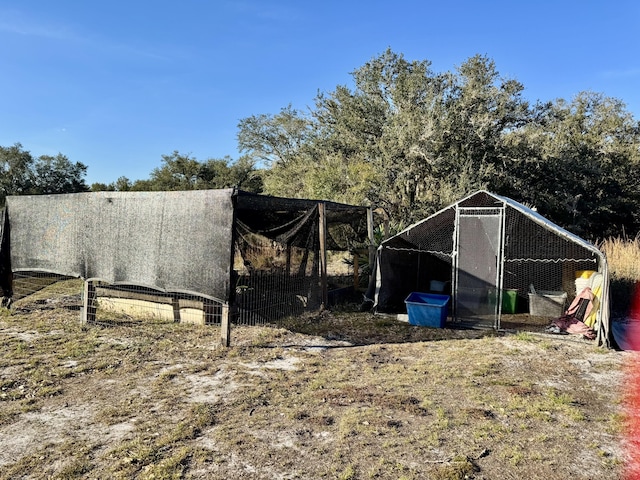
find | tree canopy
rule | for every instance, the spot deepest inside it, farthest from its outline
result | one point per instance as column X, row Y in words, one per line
column 579, row 162
column 21, row 173
column 412, row 141
column 184, row 172
column 409, row 140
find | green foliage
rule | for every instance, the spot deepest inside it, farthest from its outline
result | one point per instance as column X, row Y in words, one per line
column 122, row 184
column 15, row 171
column 410, row 141
column 580, row 165
column 58, row 175
column 178, row 172
column 275, row 139
column 405, row 139
column 281, row 143
column 183, row 172
column 21, row 173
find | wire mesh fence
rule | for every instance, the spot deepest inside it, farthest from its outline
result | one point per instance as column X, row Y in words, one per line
column 41, row 285
column 45, row 291
column 112, row 304
column 130, row 303
column 541, row 262
column 274, row 281
column 266, row 291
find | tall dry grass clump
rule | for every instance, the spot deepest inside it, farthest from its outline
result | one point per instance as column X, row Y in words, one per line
column 623, row 257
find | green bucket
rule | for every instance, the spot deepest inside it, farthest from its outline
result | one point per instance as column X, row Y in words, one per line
column 509, row 299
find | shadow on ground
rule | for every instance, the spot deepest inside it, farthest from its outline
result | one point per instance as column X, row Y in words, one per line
column 348, row 324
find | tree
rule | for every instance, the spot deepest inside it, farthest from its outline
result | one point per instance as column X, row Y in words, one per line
column 406, row 98
column 102, row 187
column 184, row 172
column 122, row 184
column 58, row 175
column 582, row 167
column 16, row 175
column 225, row 173
column 481, row 109
column 274, row 140
column 280, row 143
column 403, row 138
column 412, row 141
column 21, row 174
column 178, row 172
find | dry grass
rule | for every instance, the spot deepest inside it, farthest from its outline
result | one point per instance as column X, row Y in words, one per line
column 623, row 256
column 338, row 395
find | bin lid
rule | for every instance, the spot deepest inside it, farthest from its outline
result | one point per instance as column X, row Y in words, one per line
column 427, row 298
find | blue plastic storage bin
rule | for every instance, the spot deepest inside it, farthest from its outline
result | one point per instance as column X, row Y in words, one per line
column 427, row 309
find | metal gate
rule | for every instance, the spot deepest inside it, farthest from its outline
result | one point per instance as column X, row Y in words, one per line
column 478, row 252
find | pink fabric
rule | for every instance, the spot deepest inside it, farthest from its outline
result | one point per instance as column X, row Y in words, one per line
column 574, row 326
column 587, row 294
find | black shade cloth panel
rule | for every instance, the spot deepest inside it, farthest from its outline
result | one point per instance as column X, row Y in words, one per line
column 172, row 241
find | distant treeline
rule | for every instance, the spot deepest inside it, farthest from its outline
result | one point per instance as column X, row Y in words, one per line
column 410, row 141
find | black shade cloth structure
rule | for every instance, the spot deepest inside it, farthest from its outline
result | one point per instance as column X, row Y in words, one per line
column 483, row 244
column 291, row 221
column 179, row 241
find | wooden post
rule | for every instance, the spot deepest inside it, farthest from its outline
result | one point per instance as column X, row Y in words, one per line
column 89, row 302
column 225, row 326
column 323, row 255
column 288, row 264
column 175, row 303
column 356, row 268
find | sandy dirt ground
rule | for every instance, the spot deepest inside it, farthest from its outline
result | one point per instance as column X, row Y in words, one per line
column 347, row 396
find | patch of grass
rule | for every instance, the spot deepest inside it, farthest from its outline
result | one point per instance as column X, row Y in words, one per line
column 442, row 417
column 486, row 368
column 457, row 469
column 513, row 454
column 172, row 467
column 525, row 337
column 75, row 468
column 349, row 473
column 197, row 418
column 132, row 456
column 566, row 404
column 264, row 336
column 120, row 409
column 165, row 455
column 65, row 460
column 362, row 328
column 356, row 421
column 623, row 257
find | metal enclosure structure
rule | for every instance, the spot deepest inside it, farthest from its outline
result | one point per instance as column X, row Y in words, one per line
column 254, row 257
column 489, row 253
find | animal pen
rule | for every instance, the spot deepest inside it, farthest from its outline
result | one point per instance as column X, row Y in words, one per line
column 503, row 265
column 206, row 256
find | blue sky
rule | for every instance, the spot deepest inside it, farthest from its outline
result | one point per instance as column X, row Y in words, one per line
column 116, row 84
